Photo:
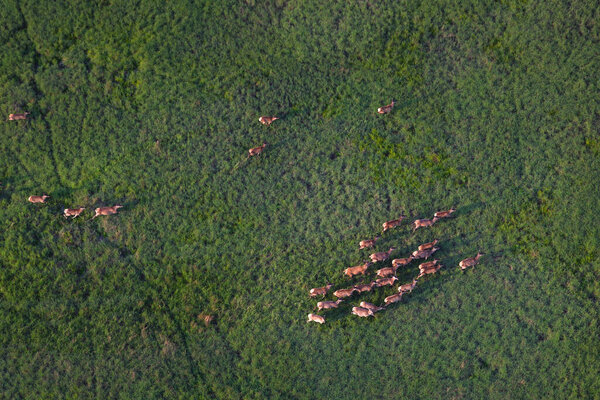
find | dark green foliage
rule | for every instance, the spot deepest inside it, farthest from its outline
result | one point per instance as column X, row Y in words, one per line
column 153, row 105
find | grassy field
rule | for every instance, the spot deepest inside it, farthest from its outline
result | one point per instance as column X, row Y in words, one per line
column 154, row 105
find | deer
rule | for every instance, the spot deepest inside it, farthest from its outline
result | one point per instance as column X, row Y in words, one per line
column 366, row 244
column 370, row 306
column 320, row 291
column 37, row 199
column 386, row 109
column 444, row 214
column 470, row 262
column 386, row 281
column 256, row 150
column 367, row 287
column 387, row 271
column 343, row 293
column 401, row 262
column 267, row 120
column 424, row 253
column 393, row 223
column 420, row 223
column 328, row 304
column 408, row 287
column 393, row 299
column 17, row 117
column 358, row 270
column 382, row 256
column 106, row 211
column 316, row 318
column 428, row 265
column 73, row 212
column 362, row 312
column 432, row 270
column 427, row 246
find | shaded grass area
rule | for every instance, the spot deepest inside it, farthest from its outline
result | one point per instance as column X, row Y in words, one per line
column 154, row 106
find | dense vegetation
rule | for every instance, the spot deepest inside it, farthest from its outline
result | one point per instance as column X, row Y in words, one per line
column 153, row 105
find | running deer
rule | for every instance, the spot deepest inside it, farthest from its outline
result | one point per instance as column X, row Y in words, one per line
column 267, row 120
column 106, row 211
column 382, row 256
column 431, row 270
column 370, row 306
column 470, row 262
column 393, row 223
column 386, row 109
column 401, row 262
column 407, row 287
column 316, row 318
column 393, row 299
column 424, row 253
column 428, row 265
column 73, row 212
column 358, row 270
column 367, row 287
column 365, row 244
column 17, row 117
column 328, row 304
column 427, row 246
column 386, row 281
column 256, row 150
column 343, row 293
column 37, row 199
column 421, row 223
column 320, row 291
column 444, row 214
column 387, row 271
column 362, row 312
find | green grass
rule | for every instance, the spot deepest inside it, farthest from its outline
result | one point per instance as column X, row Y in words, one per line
column 154, row 106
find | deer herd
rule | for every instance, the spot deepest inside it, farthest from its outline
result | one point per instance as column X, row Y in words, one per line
column 387, row 275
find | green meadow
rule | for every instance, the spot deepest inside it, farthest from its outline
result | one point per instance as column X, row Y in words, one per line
column 153, row 105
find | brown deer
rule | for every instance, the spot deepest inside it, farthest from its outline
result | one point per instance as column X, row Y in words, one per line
column 428, row 264
column 320, row 291
column 470, row 262
column 362, row 312
column 73, row 212
column 343, row 293
column 432, row 270
column 37, row 199
column 382, row 256
column 427, row 246
column 420, row 223
column 393, row 299
column 444, row 214
column 393, row 223
column 106, row 211
column 367, row 287
column 267, row 120
column 256, row 150
column 407, row 287
column 358, row 270
column 387, row 271
column 328, row 304
column 365, row 244
column 17, row 117
column 316, row 318
column 424, row 253
column 386, row 281
column 386, row 109
column 401, row 262
column 370, row 306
